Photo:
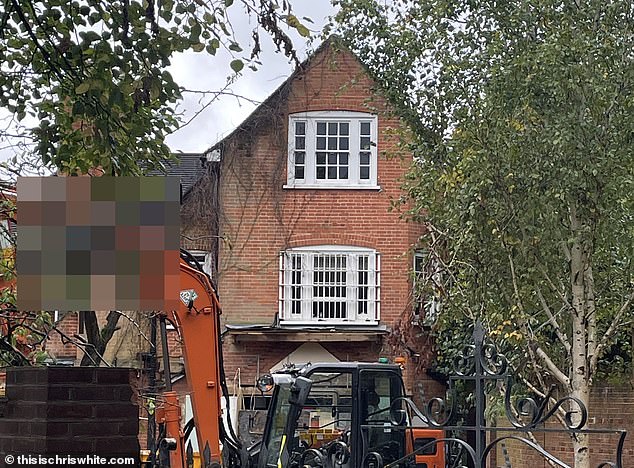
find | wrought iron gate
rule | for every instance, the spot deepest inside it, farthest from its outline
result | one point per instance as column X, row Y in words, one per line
column 480, row 365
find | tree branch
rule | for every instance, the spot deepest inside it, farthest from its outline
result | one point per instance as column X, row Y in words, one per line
column 548, row 362
column 555, row 289
column 553, row 321
column 552, row 367
column 610, row 332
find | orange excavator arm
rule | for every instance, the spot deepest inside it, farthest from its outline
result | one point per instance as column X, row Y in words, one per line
column 197, row 320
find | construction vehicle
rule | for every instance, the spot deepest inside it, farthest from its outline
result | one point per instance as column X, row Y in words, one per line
column 349, row 414
column 352, row 413
column 198, row 323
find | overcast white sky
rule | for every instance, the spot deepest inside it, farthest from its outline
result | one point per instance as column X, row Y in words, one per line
column 202, row 72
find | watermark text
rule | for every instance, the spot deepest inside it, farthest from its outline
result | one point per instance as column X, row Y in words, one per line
column 67, row 460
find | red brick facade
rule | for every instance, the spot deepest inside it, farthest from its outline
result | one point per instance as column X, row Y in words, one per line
column 69, row 325
column 259, row 218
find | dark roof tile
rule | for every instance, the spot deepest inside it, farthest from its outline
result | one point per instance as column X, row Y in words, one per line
column 189, row 168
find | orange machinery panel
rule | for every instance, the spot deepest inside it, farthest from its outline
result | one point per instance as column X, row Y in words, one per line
column 434, row 455
column 199, row 331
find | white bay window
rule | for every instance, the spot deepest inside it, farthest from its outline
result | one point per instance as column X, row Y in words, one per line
column 330, row 285
column 332, row 149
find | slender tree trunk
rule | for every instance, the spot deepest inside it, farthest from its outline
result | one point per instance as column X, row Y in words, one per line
column 98, row 338
column 580, row 381
column 632, row 351
column 581, row 443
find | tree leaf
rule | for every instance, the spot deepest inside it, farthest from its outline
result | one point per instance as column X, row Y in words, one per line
column 234, row 46
column 302, row 30
column 237, row 65
column 83, row 88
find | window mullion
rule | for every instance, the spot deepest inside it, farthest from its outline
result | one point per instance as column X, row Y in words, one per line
column 354, row 152
column 307, row 282
column 374, row 156
column 351, row 292
column 377, row 286
column 372, row 290
column 310, row 151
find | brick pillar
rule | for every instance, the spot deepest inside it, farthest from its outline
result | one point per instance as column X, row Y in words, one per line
column 69, row 411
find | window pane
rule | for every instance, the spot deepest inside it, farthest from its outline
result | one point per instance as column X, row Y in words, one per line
column 365, row 143
column 334, row 144
column 299, row 172
column 340, row 281
column 296, row 282
column 330, row 287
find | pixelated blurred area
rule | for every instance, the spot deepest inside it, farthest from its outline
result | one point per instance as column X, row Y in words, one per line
column 97, row 243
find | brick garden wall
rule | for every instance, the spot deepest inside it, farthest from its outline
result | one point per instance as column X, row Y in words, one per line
column 610, row 407
column 69, row 411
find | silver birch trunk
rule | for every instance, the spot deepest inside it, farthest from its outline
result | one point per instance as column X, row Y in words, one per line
column 580, row 381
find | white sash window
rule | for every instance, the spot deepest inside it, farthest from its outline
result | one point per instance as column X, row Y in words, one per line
column 330, row 285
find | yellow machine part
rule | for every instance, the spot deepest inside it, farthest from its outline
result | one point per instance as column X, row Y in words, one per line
column 145, row 456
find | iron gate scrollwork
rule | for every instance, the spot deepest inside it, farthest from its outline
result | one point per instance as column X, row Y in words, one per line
column 480, row 364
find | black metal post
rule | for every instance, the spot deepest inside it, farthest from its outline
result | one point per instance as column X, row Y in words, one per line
column 480, row 435
column 151, row 422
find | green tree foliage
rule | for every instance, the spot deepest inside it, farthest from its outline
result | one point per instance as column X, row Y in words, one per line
column 93, row 72
column 523, row 120
column 20, row 333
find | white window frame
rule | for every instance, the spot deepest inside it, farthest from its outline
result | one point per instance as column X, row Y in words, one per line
column 354, row 181
column 431, row 305
column 206, row 259
column 6, row 232
column 299, row 311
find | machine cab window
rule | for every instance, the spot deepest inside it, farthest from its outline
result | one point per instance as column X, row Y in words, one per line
column 350, row 413
column 381, row 414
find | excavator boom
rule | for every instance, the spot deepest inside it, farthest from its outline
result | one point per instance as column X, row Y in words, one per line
column 198, row 323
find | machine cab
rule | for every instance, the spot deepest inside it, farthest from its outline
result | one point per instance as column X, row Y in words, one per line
column 349, row 412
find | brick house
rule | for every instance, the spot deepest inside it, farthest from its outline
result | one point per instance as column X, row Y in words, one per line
column 291, row 217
